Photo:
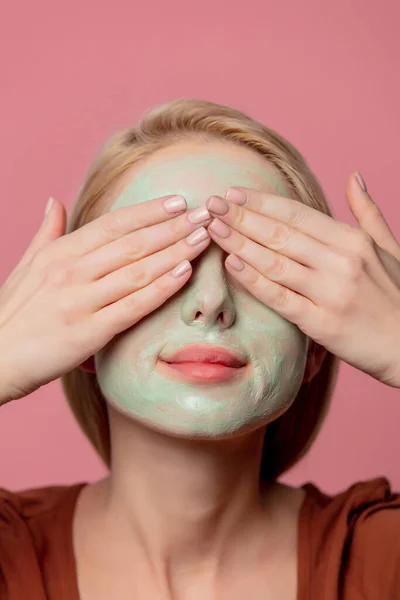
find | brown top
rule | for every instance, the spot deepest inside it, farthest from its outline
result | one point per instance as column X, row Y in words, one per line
column 348, row 544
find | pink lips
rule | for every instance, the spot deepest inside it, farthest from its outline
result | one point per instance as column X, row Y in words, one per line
column 204, row 363
column 207, row 354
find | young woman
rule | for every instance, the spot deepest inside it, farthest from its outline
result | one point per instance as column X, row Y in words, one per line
column 197, row 329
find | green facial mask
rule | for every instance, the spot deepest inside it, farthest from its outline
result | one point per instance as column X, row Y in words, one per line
column 127, row 369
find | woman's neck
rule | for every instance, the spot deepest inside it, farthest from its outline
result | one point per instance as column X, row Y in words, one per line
column 185, row 507
column 185, row 498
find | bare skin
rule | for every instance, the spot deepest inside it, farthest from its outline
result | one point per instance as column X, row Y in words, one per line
column 212, row 534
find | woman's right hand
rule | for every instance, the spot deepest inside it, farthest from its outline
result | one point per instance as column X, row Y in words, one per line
column 72, row 293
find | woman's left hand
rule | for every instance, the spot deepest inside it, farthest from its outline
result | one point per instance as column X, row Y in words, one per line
column 339, row 284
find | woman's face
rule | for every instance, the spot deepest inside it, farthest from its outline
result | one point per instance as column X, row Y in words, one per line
column 211, row 308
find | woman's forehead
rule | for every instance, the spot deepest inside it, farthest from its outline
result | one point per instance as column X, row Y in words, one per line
column 198, row 173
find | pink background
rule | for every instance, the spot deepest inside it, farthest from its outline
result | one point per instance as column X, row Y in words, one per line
column 324, row 74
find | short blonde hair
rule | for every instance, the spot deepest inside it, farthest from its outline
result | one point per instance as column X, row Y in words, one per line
column 290, row 436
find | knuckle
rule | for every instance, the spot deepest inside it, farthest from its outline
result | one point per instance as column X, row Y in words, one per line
column 70, row 309
column 255, row 278
column 349, row 265
column 241, row 244
column 282, row 297
column 278, row 266
column 67, row 311
column 297, row 215
column 353, row 266
column 136, row 274
column 111, row 224
column 345, row 298
column 280, row 235
column 132, row 246
column 239, row 216
column 58, row 275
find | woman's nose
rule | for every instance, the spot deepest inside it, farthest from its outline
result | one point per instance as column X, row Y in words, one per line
column 209, row 297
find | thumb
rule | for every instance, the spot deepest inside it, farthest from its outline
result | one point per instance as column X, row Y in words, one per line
column 369, row 215
column 52, row 227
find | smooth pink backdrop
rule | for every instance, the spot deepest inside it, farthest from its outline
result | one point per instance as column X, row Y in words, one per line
column 324, row 74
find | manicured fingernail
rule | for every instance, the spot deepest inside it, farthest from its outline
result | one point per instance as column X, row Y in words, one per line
column 48, row 205
column 198, row 215
column 217, row 205
column 197, row 236
column 360, row 181
column 219, row 228
column 181, row 269
column 235, row 262
column 236, row 196
column 175, row 204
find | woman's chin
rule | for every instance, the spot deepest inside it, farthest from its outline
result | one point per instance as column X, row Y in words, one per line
column 190, row 427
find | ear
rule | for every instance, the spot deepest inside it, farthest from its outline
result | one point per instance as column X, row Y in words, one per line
column 315, row 358
column 88, row 365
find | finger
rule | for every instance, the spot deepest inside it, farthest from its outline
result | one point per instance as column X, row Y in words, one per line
column 135, row 246
column 294, row 213
column 273, row 265
column 121, row 315
column 136, row 276
column 52, row 227
column 273, row 234
column 293, row 307
column 125, row 312
column 370, row 217
column 113, row 225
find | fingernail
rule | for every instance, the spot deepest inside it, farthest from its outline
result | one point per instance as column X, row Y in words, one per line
column 174, row 204
column 217, row 205
column 360, row 181
column 235, row 262
column 181, row 269
column 236, row 196
column 219, row 228
column 197, row 236
column 48, row 205
column 198, row 215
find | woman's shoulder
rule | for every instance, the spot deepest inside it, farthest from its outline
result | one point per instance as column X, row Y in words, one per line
column 30, row 504
column 362, row 501
column 32, row 516
column 36, row 539
column 355, row 534
column 366, row 511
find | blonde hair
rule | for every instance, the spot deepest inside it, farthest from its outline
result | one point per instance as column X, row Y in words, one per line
column 290, row 436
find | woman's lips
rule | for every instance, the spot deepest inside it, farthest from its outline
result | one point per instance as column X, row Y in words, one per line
column 208, row 353
column 200, row 371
